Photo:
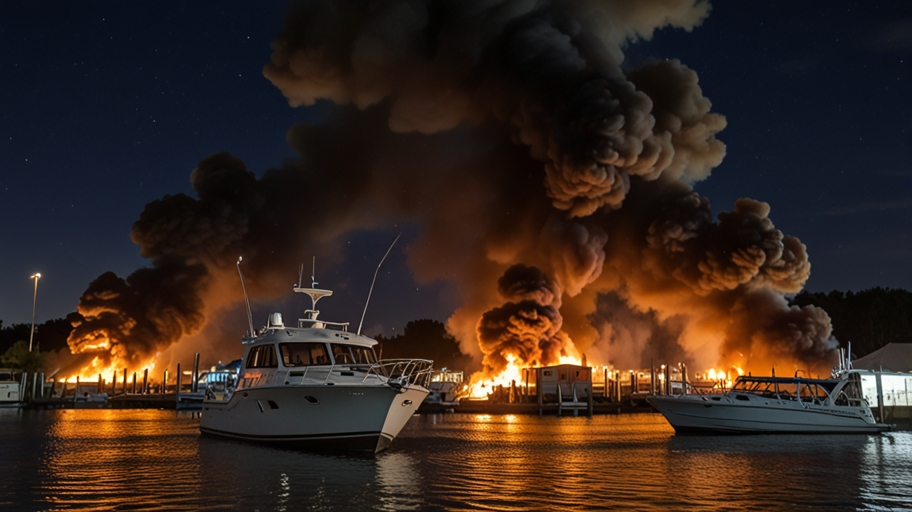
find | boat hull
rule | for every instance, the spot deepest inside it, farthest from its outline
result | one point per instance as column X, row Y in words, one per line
column 319, row 417
column 695, row 414
column 9, row 394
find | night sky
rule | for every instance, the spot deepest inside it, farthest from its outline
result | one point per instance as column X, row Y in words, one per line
column 110, row 105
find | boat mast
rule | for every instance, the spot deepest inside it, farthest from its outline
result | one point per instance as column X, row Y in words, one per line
column 315, row 293
column 246, row 300
column 374, row 281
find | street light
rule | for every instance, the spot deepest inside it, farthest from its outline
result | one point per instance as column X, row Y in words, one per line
column 36, row 276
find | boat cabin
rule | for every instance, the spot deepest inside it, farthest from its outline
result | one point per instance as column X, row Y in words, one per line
column 817, row 391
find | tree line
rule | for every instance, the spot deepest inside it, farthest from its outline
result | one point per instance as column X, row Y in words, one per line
column 869, row 319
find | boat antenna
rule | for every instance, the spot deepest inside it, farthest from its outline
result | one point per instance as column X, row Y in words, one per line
column 300, row 274
column 313, row 273
column 374, row 281
column 246, row 300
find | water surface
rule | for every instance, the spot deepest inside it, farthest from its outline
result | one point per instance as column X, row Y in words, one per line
column 156, row 460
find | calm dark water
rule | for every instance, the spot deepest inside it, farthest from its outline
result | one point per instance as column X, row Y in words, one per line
column 156, row 460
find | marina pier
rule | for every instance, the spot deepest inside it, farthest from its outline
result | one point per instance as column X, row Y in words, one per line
column 565, row 390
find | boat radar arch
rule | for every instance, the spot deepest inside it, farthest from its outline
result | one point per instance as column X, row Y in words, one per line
column 315, row 294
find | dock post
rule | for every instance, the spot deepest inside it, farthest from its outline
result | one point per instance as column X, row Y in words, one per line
column 194, row 384
column 177, row 384
column 134, row 383
column 880, row 400
column 589, row 397
column 145, row 388
column 164, row 382
column 560, row 399
column 99, row 386
column 605, row 389
column 652, row 378
column 617, row 386
column 538, row 389
column 683, row 379
column 114, row 383
column 125, row 382
column 76, row 391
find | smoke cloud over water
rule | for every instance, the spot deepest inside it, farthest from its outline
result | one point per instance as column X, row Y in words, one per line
column 553, row 187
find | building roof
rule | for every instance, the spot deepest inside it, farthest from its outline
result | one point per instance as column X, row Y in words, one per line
column 893, row 357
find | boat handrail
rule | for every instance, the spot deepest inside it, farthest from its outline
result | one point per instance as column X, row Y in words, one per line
column 398, row 372
column 304, row 323
column 406, row 371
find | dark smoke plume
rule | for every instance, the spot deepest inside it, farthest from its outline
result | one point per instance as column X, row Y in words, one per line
column 527, row 326
column 531, row 157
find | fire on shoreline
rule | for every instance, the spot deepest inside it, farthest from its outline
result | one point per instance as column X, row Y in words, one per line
column 479, row 387
column 97, row 367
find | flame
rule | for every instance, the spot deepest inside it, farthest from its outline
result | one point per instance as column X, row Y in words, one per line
column 479, row 387
column 725, row 379
column 108, row 368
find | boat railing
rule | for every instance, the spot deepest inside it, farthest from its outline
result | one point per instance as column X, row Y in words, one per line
column 304, row 323
column 404, row 371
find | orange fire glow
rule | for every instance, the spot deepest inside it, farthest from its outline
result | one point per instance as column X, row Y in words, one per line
column 96, row 367
column 479, row 387
column 722, row 376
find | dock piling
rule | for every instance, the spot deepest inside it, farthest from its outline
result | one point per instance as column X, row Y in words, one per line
column 194, row 384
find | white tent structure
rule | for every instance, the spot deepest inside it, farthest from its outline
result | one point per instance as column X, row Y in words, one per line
column 893, row 357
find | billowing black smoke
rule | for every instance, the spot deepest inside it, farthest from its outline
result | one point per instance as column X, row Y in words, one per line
column 550, row 182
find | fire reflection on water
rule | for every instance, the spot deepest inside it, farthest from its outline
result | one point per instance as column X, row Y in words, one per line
column 150, row 459
column 110, row 458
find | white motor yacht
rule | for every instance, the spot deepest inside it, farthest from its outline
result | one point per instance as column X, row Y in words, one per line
column 768, row 405
column 317, row 386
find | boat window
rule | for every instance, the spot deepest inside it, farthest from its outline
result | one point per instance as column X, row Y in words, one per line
column 262, row 357
column 342, row 354
column 364, row 355
column 303, row 354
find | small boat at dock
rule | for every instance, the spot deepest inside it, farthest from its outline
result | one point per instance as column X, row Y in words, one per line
column 774, row 405
column 315, row 386
column 10, row 389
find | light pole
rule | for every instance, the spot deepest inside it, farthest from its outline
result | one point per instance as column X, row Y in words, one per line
column 36, row 276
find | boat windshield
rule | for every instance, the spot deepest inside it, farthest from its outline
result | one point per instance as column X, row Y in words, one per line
column 784, row 389
column 352, row 354
column 303, row 354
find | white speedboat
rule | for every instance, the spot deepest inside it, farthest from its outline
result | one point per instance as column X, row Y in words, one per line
column 9, row 389
column 316, row 386
column 772, row 405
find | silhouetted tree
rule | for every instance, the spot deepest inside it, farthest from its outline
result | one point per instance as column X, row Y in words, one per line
column 13, row 333
column 19, row 357
column 869, row 319
column 50, row 335
column 425, row 339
